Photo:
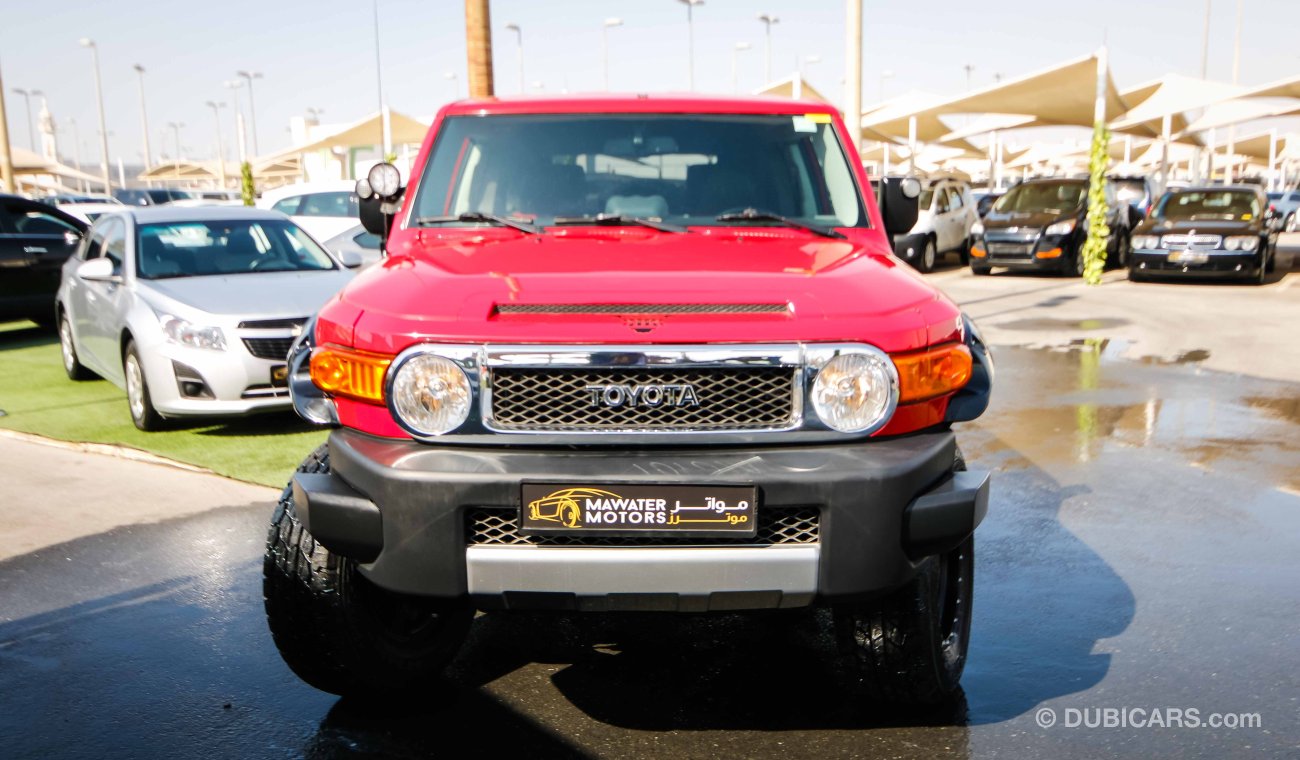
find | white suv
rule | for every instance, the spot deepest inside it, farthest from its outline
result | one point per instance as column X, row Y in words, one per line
column 943, row 225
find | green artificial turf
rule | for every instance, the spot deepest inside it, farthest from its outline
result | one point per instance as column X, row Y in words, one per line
column 37, row 397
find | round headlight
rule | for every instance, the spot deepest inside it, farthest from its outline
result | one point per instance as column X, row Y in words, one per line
column 384, row 180
column 364, row 190
column 429, row 395
column 856, row 392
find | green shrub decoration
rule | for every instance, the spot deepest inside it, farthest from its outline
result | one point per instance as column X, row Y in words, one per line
column 247, row 190
column 1094, row 248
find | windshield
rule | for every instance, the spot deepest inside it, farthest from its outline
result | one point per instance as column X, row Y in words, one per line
column 681, row 169
column 1038, row 197
column 1218, row 205
column 195, row 249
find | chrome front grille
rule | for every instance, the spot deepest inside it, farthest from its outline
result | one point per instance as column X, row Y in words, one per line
column 563, row 400
column 486, row 526
column 1195, row 242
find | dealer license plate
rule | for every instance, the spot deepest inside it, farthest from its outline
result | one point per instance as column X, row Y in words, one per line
column 593, row 509
column 1189, row 257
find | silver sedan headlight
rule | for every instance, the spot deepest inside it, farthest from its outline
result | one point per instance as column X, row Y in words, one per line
column 1145, row 242
column 428, row 394
column 185, row 333
column 1241, row 243
column 856, row 392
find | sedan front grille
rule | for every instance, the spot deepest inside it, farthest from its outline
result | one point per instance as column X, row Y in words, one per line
column 1010, row 250
column 729, row 398
column 1198, row 242
column 269, row 348
column 776, row 525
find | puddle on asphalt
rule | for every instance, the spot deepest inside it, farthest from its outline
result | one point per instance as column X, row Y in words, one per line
column 1076, row 404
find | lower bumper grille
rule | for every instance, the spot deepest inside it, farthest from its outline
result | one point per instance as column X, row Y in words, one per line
column 1011, row 250
column 776, row 525
column 269, row 348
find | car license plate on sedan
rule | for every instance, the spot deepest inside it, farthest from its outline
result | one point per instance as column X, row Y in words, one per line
column 593, row 509
column 1189, row 257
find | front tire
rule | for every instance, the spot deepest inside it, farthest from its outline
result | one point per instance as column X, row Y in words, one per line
column 928, row 256
column 138, row 399
column 338, row 631
column 68, row 349
column 910, row 646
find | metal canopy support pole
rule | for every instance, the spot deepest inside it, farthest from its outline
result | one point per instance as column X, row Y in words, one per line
column 1128, row 151
column 1165, row 128
column 911, row 145
column 1209, row 158
column 1272, row 159
column 853, row 74
column 993, row 158
column 6, row 158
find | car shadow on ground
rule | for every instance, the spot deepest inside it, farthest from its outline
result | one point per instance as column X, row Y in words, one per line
column 23, row 334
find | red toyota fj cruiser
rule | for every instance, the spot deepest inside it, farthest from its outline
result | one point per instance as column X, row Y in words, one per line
column 631, row 353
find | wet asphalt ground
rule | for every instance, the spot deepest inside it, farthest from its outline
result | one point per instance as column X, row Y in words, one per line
column 1141, row 552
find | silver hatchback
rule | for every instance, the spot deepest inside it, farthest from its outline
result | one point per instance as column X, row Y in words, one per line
column 192, row 310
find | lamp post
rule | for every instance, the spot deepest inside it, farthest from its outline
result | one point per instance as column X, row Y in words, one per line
column 86, row 42
column 221, row 149
column 735, row 53
column 176, row 131
column 519, row 49
column 249, row 76
column 609, row 23
column 768, row 20
column 31, row 131
column 690, row 49
column 144, row 119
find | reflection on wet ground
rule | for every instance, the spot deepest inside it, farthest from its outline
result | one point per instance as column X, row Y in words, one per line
column 1140, row 551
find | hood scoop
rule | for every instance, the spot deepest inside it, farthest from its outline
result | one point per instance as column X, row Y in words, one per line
column 626, row 309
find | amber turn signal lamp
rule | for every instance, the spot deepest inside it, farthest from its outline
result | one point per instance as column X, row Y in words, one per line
column 932, row 373
column 353, row 374
column 1055, row 253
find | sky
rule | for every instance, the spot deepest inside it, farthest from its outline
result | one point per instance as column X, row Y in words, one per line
column 321, row 54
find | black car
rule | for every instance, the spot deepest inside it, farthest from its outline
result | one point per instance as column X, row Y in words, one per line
column 1041, row 224
column 1207, row 231
column 35, row 240
column 151, row 196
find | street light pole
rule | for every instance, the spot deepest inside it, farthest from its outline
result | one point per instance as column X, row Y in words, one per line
column 610, row 23
column 252, row 109
column 1205, row 43
column 86, row 42
column 176, row 130
column 690, row 50
column 221, row 149
column 1236, row 79
column 768, row 19
column 144, row 120
column 31, row 131
column 519, row 48
column 735, row 52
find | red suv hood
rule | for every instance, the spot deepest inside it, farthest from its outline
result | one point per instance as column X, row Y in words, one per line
column 450, row 287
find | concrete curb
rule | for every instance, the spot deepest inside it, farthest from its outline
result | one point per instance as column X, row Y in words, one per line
column 110, row 450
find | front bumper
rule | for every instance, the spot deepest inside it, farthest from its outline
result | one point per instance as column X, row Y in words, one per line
column 1217, row 264
column 237, row 383
column 1026, row 253
column 402, row 509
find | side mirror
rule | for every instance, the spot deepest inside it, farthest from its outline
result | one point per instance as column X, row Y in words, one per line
column 350, row 259
column 378, row 197
column 899, row 205
column 99, row 270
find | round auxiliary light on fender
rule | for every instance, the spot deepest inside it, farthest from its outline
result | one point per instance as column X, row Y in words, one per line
column 385, row 180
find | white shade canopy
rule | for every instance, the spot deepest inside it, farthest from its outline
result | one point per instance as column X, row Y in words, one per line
column 1174, row 96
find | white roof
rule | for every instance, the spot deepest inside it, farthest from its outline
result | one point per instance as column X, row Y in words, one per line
column 270, row 197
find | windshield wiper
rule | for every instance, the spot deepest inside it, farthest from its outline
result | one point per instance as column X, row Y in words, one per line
column 480, row 216
column 758, row 215
column 620, row 219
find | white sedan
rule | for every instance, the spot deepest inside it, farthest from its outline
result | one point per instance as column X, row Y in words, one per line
column 192, row 310
column 324, row 209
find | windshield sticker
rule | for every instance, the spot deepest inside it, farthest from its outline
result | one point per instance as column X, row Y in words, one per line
column 818, row 118
column 804, row 124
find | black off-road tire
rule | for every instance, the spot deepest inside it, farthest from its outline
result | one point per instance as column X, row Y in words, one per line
column 978, row 270
column 338, row 631
column 909, row 647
